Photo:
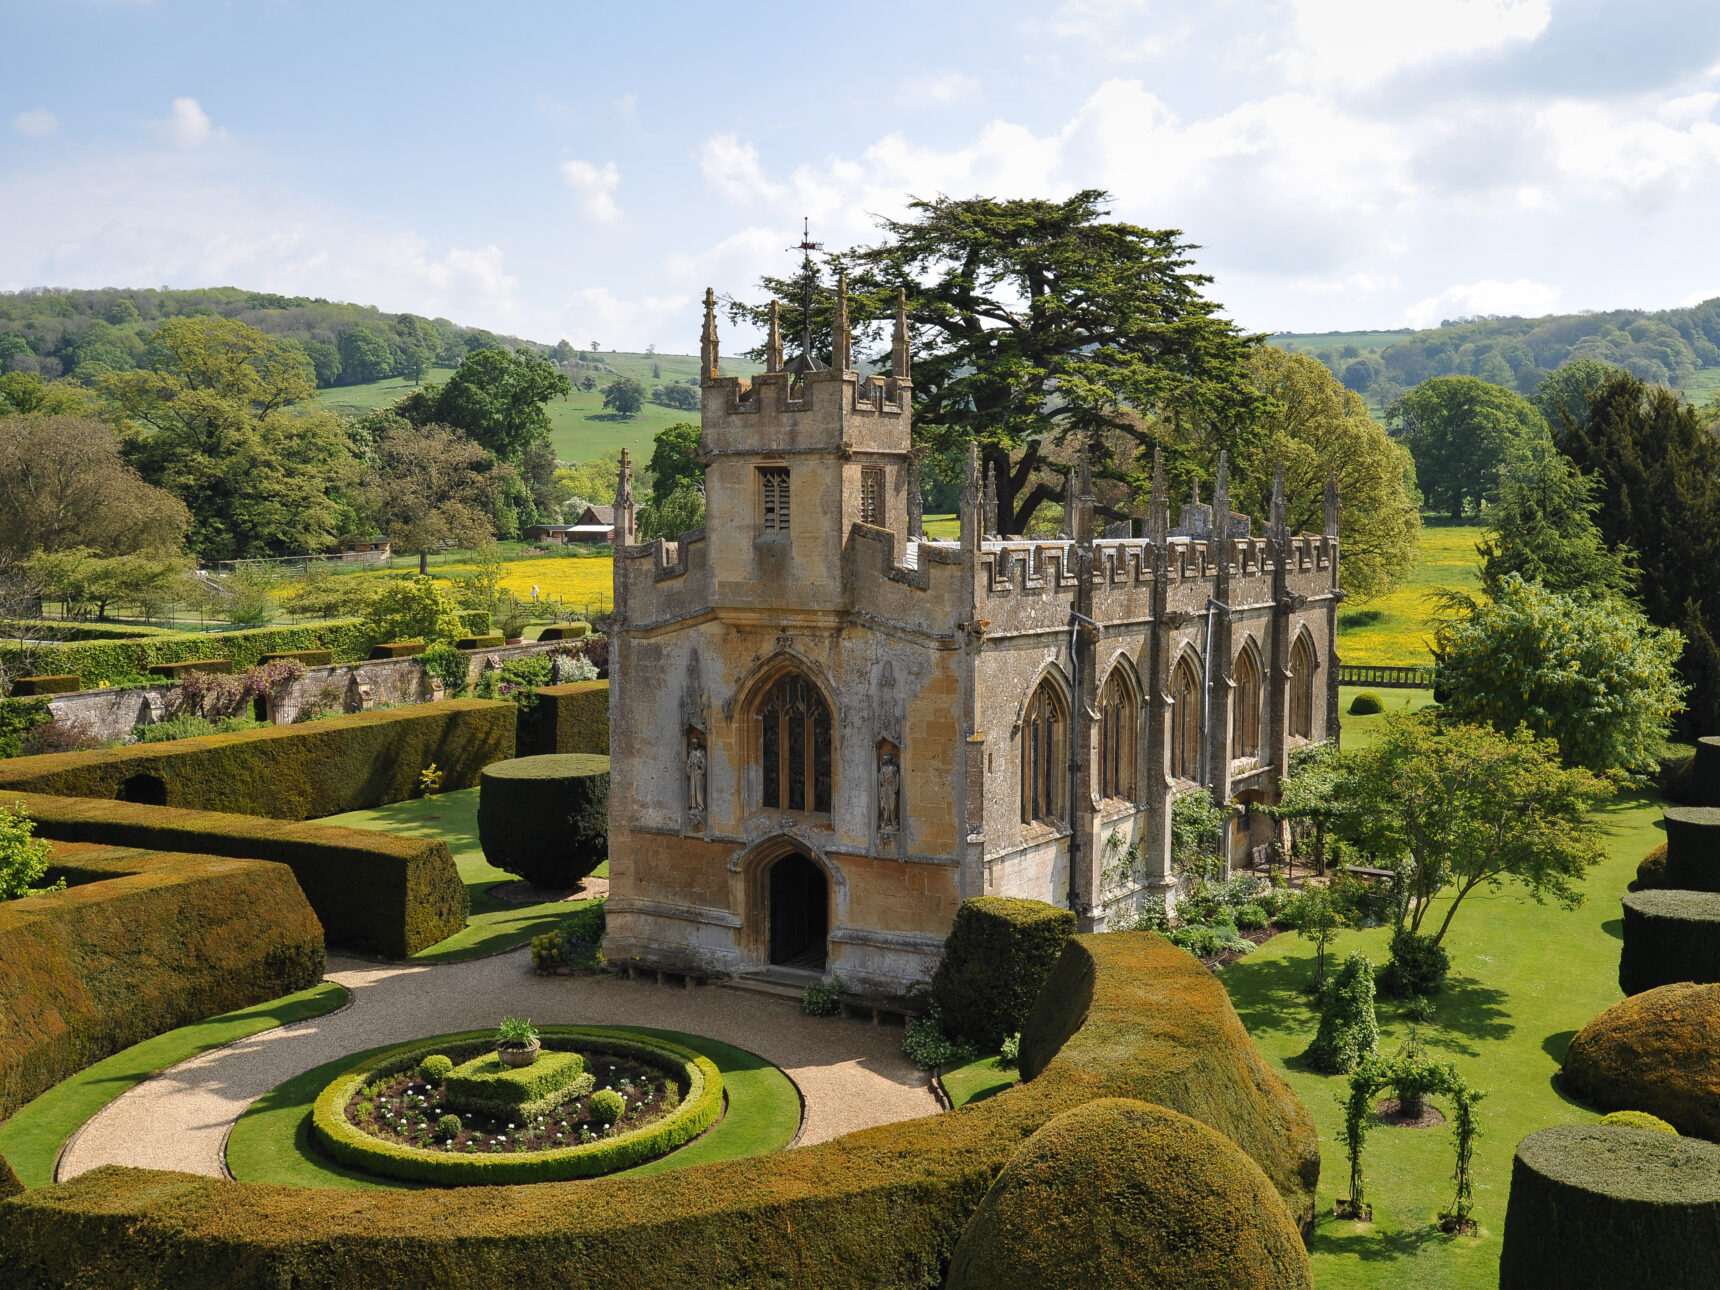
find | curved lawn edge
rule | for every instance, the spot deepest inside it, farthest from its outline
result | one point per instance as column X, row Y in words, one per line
column 975, row 1081
column 33, row 1138
column 271, row 1141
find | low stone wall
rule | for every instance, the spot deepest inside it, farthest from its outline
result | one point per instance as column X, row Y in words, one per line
column 104, row 715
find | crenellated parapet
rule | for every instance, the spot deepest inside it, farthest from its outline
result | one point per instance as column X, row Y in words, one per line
column 1009, row 567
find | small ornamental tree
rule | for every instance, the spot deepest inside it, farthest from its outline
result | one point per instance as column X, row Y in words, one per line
column 1590, row 672
column 1467, row 807
column 23, row 856
column 414, row 609
column 1318, row 919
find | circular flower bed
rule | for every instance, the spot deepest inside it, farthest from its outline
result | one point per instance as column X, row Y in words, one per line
column 641, row 1099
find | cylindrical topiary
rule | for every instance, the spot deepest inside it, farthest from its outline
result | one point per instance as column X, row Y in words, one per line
column 1651, row 870
column 997, row 956
column 1669, row 936
column 1693, row 848
column 1120, row 1193
column 545, row 819
column 1608, row 1206
column 1367, row 704
column 1659, row 1052
column 1705, row 772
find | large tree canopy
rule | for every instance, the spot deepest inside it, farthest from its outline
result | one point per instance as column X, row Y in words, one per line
column 1314, row 426
column 497, row 398
column 1543, row 529
column 1461, row 431
column 427, row 486
column 63, row 485
column 1040, row 328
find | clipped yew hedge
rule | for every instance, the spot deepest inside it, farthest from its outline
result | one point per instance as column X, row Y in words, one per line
column 996, row 959
column 701, row 1106
column 1658, row 1052
column 1119, row 1193
column 572, row 718
column 1693, row 848
column 295, row 772
column 122, row 662
column 1669, row 936
column 382, row 893
column 9, row 1184
column 1604, row 1205
column 151, row 941
column 880, row 1207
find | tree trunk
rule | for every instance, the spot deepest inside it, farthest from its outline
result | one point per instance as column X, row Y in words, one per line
column 423, row 563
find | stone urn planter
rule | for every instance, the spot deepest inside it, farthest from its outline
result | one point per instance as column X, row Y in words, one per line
column 518, row 1055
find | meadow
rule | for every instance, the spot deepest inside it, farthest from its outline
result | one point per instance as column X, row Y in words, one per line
column 1398, row 627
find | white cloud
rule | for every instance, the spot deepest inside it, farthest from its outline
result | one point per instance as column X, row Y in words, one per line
column 1111, row 28
column 937, row 87
column 1487, row 297
column 1356, row 284
column 594, row 189
column 38, row 123
column 1361, row 42
column 1623, row 151
column 187, row 125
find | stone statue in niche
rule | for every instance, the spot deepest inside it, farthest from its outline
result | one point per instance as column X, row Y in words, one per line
column 889, row 794
column 696, row 782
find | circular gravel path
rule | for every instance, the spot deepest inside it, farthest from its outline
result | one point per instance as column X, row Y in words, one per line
column 851, row 1074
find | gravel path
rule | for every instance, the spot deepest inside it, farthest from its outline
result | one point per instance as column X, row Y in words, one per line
column 851, row 1074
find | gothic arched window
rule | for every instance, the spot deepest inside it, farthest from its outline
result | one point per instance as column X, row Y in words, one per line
column 1118, row 730
column 1186, row 704
column 794, row 746
column 1302, row 689
column 1044, row 755
column 1245, row 724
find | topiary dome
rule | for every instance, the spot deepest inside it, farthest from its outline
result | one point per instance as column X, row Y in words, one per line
column 1658, row 1052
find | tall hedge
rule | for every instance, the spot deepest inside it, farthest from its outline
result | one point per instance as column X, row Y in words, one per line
column 1669, row 936
column 1693, row 848
column 121, row 662
column 1606, row 1205
column 1658, row 1051
column 572, row 718
column 996, row 959
column 9, row 1184
column 161, row 941
column 1123, row 1194
column 880, row 1207
column 381, row 893
column 545, row 819
column 292, row 772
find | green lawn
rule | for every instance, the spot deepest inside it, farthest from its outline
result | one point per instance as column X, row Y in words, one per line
column 31, row 1140
column 271, row 1142
column 494, row 925
column 1525, row 978
column 976, row 1081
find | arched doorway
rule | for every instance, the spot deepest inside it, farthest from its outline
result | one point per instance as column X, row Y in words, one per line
column 146, row 790
column 799, row 913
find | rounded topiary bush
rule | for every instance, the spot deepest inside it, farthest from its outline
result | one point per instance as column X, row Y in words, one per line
column 434, row 1068
column 996, row 958
column 1693, row 848
column 545, row 819
column 449, row 1127
column 1669, row 936
column 606, row 1105
column 1604, row 1205
column 1120, row 1193
column 1367, row 704
column 1651, row 870
column 1658, row 1052
column 1639, row 1120
column 1349, row 1031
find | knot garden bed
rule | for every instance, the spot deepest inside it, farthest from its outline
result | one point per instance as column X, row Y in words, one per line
column 382, row 1117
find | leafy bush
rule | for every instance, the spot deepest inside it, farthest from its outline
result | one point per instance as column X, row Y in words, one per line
column 1651, row 871
column 1250, row 918
column 1009, row 1056
column 577, row 943
column 1669, row 936
column 434, row 1068
column 1639, row 1120
column 996, row 957
column 606, row 1106
column 23, row 856
column 127, row 662
column 820, row 999
column 1348, row 1030
column 926, row 1044
column 448, row 665
column 417, row 608
column 1367, row 704
column 1197, row 830
column 187, row 726
column 1656, row 1052
column 449, row 1127
column 18, row 717
column 1418, row 966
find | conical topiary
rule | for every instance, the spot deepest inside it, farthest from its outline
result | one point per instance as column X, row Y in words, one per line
column 1348, row 1030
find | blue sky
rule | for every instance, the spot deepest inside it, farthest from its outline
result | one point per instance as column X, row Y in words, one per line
column 584, row 171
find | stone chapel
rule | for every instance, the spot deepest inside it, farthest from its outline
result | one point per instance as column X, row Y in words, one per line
column 828, row 730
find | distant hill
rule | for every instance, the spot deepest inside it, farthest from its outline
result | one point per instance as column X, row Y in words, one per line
column 85, row 332
column 1675, row 347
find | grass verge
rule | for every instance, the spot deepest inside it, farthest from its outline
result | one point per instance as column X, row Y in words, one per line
column 32, row 1139
column 271, row 1142
column 976, row 1081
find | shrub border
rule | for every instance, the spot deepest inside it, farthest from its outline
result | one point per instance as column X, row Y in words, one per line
column 700, row 1107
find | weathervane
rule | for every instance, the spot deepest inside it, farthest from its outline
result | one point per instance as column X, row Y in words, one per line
column 806, row 362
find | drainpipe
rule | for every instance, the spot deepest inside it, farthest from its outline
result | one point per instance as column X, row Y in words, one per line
column 1076, row 618
column 1212, row 607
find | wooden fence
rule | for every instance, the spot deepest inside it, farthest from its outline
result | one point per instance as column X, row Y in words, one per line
column 1387, row 676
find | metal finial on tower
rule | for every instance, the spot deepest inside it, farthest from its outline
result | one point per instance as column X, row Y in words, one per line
column 773, row 342
column 991, row 499
column 804, row 361
column 899, row 343
column 709, row 362
column 1332, row 505
column 840, row 341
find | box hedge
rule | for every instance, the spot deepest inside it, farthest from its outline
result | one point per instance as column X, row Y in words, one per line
column 59, row 629
column 1659, row 1052
column 1604, row 1205
column 398, row 649
column 572, row 718
column 996, row 958
column 382, row 893
column 1669, row 936
column 479, row 642
column 1123, row 1193
column 128, row 662
column 882, row 1206
column 545, row 819
column 179, row 671
column 146, row 942
column 483, row 1084
column 34, row 685
column 296, row 772
column 565, row 632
